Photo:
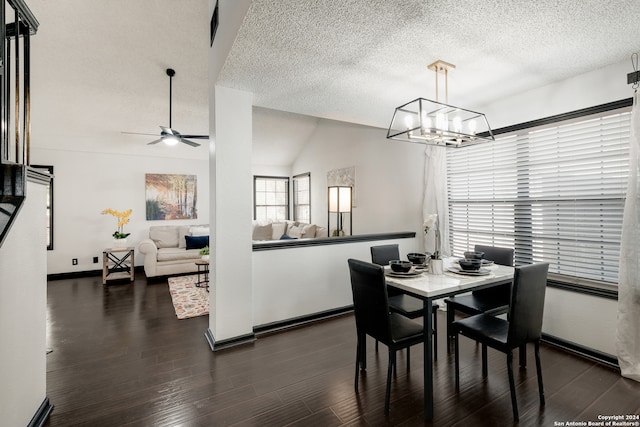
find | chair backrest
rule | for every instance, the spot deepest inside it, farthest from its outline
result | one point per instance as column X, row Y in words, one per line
column 370, row 301
column 382, row 254
column 527, row 303
column 502, row 256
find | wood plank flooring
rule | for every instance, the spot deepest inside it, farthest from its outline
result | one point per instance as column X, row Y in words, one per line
column 122, row 358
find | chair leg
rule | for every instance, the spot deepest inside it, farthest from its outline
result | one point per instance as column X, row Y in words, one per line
column 539, row 369
column 512, row 385
column 523, row 356
column 435, row 334
column 456, row 351
column 358, row 356
column 363, row 352
column 392, row 362
column 450, row 318
column 376, row 346
column 408, row 358
column 484, row 361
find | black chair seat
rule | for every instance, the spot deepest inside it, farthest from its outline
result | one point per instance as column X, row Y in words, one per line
column 407, row 305
column 491, row 330
column 476, row 304
column 405, row 330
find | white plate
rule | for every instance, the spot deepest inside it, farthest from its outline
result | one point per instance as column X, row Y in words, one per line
column 481, row 272
column 407, row 274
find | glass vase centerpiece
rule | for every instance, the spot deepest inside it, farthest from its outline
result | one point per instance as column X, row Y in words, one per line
column 119, row 236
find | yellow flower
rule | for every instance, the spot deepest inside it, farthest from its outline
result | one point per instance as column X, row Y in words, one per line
column 123, row 218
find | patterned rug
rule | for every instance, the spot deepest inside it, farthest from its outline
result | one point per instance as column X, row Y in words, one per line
column 188, row 300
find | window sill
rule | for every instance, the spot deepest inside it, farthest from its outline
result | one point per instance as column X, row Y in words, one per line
column 583, row 286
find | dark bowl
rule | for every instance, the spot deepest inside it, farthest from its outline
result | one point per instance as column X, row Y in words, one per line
column 417, row 258
column 470, row 264
column 473, row 255
column 400, row 266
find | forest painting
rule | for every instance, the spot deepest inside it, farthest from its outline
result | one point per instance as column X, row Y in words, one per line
column 171, row 196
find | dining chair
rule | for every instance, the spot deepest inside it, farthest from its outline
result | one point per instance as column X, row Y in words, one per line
column 524, row 325
column 374, row 318
column 494, row 301
column 399, row 302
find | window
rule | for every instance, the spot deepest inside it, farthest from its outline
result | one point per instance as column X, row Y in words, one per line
column 302, row 198
column 271, row 198
column 554, row 193
column 49, row 207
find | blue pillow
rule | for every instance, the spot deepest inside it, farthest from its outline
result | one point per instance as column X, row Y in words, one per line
column 197, row 242
column 286, row 237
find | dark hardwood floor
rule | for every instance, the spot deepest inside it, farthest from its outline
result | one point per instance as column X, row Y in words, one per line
column 122, row 358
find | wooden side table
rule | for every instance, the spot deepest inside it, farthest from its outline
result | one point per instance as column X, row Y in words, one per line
column 117, row 263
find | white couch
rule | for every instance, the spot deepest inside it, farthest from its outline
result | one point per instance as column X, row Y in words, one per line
column 277, row 230
column 165, row 251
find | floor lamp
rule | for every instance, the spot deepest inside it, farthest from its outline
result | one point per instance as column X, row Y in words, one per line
column 339, row 200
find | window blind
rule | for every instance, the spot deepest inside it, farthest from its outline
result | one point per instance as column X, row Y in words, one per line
column 555, row 194
column 271, row 198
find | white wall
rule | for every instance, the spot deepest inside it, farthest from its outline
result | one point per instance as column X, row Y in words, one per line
column 23, row 308
column 582, row 319
column 389, row 176
column 289, row 283
column 86, row 183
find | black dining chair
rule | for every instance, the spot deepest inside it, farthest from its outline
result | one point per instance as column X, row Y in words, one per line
column 524, row 325
column 399, row 302
column 494, row 301
column 374, row 318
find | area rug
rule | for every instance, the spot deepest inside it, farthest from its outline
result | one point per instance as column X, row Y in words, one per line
column 188, row 300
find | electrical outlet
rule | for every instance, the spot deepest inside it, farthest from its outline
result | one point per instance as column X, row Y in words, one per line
column 74, row 261
column 95, row 259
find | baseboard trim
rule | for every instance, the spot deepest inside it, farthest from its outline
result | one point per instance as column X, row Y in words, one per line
column 295, row 322
column 86, row 273
column 42, row 414
column 581, row 350
column 231, row 342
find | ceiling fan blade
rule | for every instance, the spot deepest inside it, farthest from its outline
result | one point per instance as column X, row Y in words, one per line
column 155, row 142
column 196, row 136
column 139, row 133
column 169, row 131
column 191, row 143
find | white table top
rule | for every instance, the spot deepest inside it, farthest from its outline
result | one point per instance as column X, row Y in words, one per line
column 440, row 285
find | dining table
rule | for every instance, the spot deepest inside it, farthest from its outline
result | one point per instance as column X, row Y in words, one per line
column 429, row 287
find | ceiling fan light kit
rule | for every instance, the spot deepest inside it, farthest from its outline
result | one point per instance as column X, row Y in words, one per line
column 169, row 135
column 429, row 122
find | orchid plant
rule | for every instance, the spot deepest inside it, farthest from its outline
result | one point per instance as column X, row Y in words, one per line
column 123, row 218
column 431, row 220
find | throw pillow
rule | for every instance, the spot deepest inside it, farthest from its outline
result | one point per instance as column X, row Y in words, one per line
column 164, row 236
column 285, row 237
column 262, row 232
column 196, row 242
column 279, row 228
column 322, row 232
column 309, row 230
column 295, row 232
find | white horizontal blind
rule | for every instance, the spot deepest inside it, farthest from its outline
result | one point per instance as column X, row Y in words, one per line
column 271, row 198
column 554, row 194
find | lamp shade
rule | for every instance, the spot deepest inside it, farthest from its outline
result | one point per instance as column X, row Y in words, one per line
column 340, row 199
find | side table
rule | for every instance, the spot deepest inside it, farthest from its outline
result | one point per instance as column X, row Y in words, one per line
column 117, row 263
column 203, row 268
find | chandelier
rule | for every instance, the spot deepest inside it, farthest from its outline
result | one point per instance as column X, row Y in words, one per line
column 430, row 122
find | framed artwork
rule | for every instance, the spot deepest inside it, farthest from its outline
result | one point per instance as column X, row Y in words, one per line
column 171, row 196
column 345, row 177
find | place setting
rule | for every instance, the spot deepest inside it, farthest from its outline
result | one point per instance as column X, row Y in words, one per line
column 415, row 266
column 473, row 264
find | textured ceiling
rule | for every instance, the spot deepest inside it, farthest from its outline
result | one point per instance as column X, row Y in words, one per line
column 356, row 60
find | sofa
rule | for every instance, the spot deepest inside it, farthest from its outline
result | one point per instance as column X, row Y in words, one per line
column 173, row 249
column 284, row 230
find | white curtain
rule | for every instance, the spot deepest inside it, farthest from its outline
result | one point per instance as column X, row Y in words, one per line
column 628, row 334
column 435, row 197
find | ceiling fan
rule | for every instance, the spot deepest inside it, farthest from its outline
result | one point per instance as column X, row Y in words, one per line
column 169, row 135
